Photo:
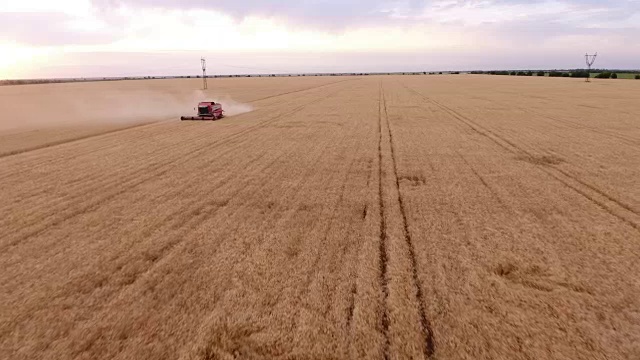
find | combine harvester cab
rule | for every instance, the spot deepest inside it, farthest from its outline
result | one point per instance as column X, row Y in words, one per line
column 207, row 110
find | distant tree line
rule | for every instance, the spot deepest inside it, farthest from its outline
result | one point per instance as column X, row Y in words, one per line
column 578, row 73
column 72, row 80
column 607, row 75
column 574, row 74
column 602, row 74
column 512, row 73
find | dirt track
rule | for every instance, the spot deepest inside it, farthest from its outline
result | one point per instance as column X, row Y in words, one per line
column 448, row 217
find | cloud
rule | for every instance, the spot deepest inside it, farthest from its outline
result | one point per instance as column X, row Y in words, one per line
column 327, row 14
column 50, row 29
column 340, row 13
column 450, row 34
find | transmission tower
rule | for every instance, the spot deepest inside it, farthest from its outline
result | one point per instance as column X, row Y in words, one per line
column 203, row 61
column 590, row 59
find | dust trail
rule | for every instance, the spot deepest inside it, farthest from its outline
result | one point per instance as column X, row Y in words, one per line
column 73, row 105
column 230, row 106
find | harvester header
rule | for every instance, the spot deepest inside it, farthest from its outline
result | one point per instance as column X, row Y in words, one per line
column 207, row 110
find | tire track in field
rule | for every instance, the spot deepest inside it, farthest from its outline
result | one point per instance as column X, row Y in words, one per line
column 169, row 133
column 384, row 277
column 92, row 178
column 120, row 187
column 168, row 222
column 198, row 214
column 155, row 123
column 261, row 247
column 348, row 249
column 322, row 252
column 598, row 197
column 519, row 150
column 427, row 335
column 121, row 191
column 161, row 155
column 134, row 180
column 301, row 90
column 29, row 164
column 65, row 141
column 368, row 313
column 182, row 235
column 578, row 126
column 332, row 219
column 199, row 211
column 83, row 137
column 493, row 193
column 130, row 134
column 303, row 178
column 563, row 124
column 88, row 185
column 572, row 124
column 353, row 292
column 132, row 184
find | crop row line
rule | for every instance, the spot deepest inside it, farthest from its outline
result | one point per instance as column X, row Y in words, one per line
column 429, row 349
column 557, row 173
column 301, row 90
column 384, row 281
column 198, row 211
column 64, row 141
column 164, row 167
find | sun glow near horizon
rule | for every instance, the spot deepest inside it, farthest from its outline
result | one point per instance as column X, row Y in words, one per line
column 16, row 60
column 126, row 29
column 43, row 39
column 191, row 31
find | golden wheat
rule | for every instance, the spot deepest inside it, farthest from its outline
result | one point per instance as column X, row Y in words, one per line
column 448, row 217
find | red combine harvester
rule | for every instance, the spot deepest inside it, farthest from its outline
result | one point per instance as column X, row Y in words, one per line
column 207, row 110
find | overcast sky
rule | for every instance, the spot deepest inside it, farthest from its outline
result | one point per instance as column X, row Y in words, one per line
column 69, row 38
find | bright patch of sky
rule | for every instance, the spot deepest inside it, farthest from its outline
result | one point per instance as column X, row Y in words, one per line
column 42, row 38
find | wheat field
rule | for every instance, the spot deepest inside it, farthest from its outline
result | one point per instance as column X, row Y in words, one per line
column 374, row 217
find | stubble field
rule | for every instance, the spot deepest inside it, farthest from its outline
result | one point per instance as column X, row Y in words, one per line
column 395, row 217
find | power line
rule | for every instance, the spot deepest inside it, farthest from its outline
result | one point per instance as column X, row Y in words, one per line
column 203, row 61
column 250, row 68
column 590, row 59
